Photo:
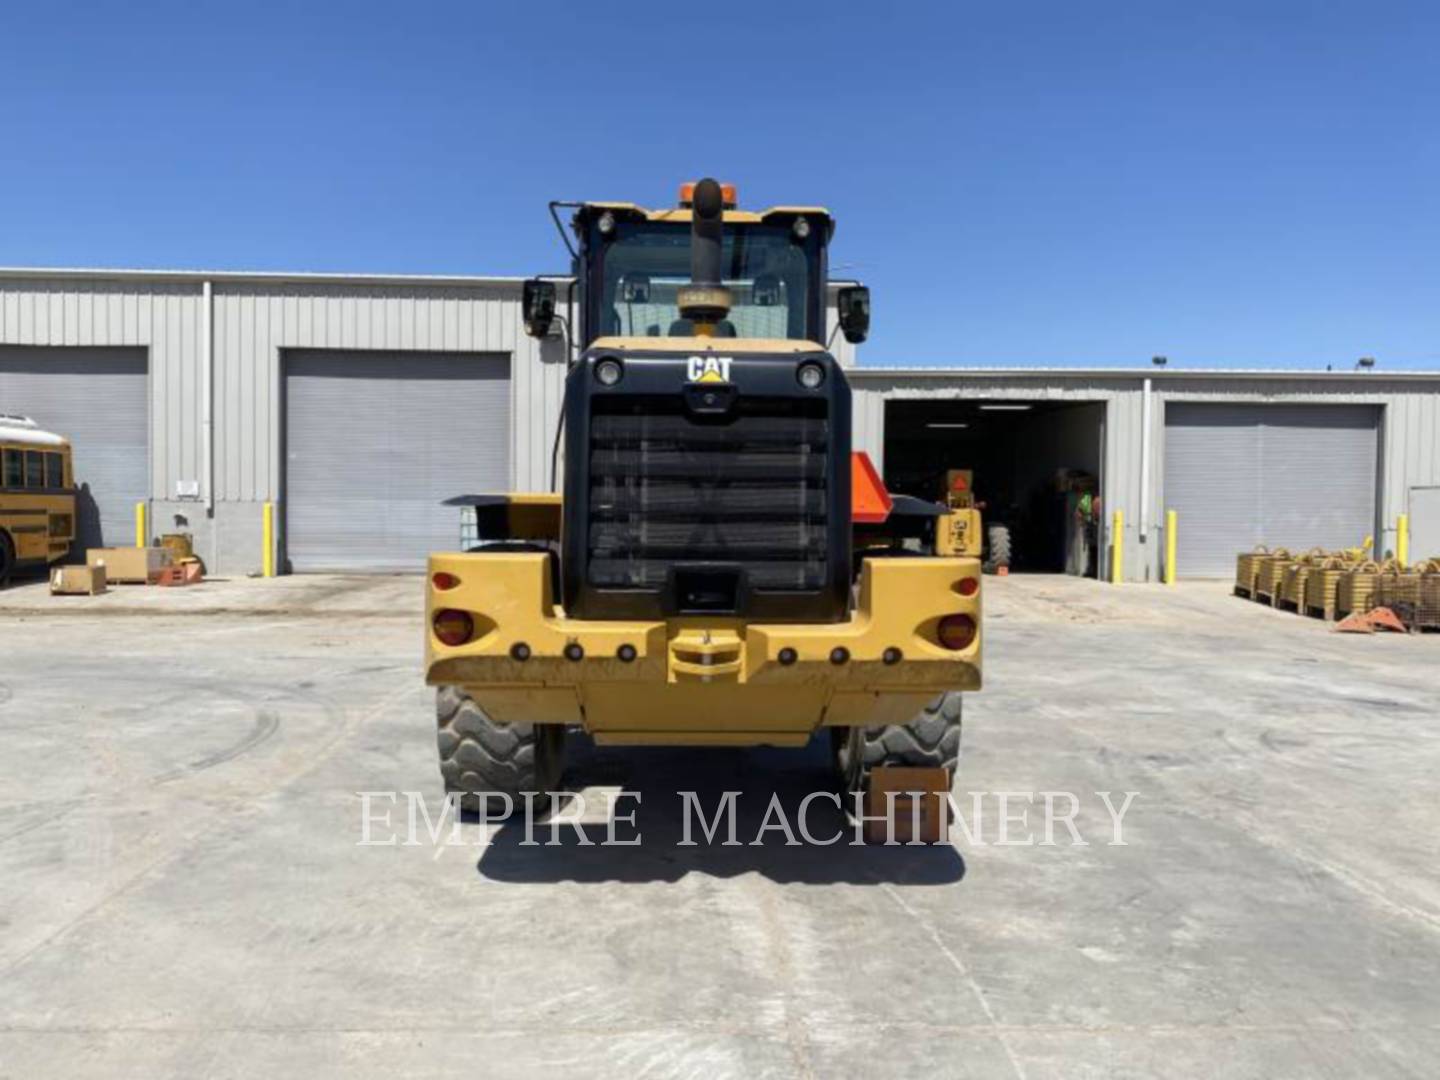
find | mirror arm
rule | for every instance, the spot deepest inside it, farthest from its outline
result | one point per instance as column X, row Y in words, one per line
column 555, row 205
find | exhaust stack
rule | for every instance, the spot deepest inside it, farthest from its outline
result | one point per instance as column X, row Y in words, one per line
column 705, row 301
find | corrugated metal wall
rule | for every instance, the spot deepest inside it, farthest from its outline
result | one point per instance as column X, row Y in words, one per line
column 256, row 317
column 1410, row 452
column 255, row 323
column 162, row 316
column 254, row 320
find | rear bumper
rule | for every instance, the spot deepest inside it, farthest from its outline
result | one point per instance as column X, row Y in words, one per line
column 701, row 680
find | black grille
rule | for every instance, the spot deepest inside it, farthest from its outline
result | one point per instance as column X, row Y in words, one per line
column 748, row 489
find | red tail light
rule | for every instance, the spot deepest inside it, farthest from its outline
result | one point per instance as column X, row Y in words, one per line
column 956, row 632
column 968, row 586
column 443, row 581
column 453, row 627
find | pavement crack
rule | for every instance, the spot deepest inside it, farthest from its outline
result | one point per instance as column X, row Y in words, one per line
column 964, row 970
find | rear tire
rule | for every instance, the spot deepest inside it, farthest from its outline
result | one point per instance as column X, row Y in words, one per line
column 999, row 548
column 930, row 739
column 480, row 757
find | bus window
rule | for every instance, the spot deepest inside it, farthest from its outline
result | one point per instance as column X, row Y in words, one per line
column 14, row 468
column 54, row 471
column 34, row 469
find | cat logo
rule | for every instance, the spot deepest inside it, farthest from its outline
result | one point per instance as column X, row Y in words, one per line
column 709, row 369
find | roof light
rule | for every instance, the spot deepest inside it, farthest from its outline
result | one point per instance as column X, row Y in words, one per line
column 727, row 195
column 1003, row 408
column 941, row 424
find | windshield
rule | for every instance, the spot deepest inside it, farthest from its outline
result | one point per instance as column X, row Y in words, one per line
column 768, row 274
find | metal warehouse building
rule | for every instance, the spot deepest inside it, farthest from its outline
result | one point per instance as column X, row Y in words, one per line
column 356, row 403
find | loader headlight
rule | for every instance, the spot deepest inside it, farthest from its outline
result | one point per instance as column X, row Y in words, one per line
column 810, row 375
column 608, row 372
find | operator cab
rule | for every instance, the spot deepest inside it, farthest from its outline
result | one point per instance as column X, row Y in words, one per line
column 706, row 428
column 633, row 268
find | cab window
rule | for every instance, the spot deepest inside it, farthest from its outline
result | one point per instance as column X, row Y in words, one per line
column 34, row 469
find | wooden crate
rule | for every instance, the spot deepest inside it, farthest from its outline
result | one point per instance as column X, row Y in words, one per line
column 1322, row 587
column 1356, row 590
column 1292, row 583
column 1427, row 613
column 1247, row 568
column 1268, row 575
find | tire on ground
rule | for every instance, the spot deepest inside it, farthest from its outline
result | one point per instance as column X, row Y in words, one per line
column 999, row 551
column 480, row 757
column 931, row 738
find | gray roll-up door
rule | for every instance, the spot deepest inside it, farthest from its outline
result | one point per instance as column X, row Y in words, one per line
column 375, row 441
column 1293, row 476
column 97, row 398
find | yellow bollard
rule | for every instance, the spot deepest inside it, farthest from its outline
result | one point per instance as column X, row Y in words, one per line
column 1117, row 549
column 1402, row 540
column 140, row 524
column 1170, row 519
column 267, row 530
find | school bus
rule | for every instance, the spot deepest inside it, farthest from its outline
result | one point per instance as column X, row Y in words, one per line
column 37, row 496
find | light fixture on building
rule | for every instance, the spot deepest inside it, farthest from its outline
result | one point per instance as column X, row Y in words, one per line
column 1159, row 361
column 939, row 424
column 1365, row 363
column 994, row 407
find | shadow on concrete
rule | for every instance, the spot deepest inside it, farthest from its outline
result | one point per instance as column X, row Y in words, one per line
column 658, row 775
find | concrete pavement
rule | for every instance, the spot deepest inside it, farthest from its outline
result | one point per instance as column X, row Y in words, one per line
column 182, row 893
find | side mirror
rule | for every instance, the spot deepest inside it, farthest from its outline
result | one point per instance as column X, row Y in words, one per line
column 765, row 292
column 635, row 288
column 537, row 303
column 852, row 305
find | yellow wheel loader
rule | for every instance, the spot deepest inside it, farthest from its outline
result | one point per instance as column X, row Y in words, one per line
column 716, row 568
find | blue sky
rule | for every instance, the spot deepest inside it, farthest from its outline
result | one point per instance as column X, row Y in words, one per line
column 1240, row 184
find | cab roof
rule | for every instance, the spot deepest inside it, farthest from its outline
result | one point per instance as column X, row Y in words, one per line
column 730, row 215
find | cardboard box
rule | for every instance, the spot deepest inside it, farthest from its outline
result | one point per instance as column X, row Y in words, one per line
column 77, row 580
column 929, row 808
column 130, row 566
column 185, row 572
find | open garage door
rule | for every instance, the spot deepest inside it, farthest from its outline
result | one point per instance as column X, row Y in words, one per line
column 96, row 397
column 1035, row 466
column 375, row 441
column 1294, row 476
